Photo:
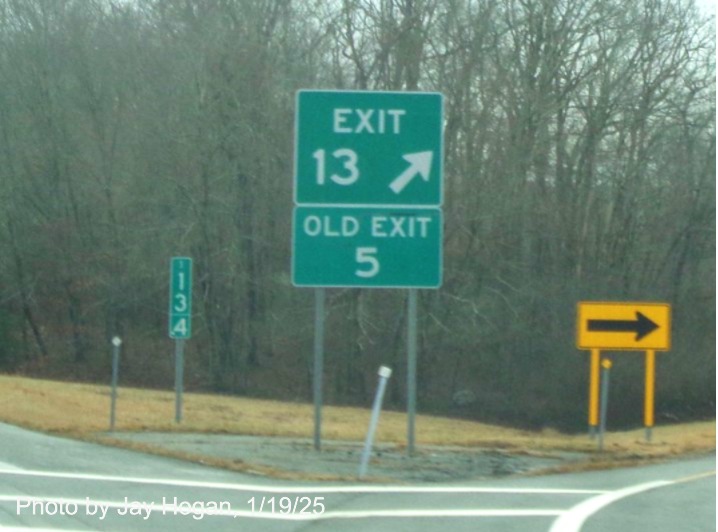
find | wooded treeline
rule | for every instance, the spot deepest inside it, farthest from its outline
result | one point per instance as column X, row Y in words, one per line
column 579, row 165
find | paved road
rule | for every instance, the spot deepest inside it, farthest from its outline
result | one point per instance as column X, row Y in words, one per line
column 58, row 484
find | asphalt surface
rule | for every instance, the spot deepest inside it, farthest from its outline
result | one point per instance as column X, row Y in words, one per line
column 58, row 484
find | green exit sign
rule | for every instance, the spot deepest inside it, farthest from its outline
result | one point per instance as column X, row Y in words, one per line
column 180, row 322
column 373, row 247
column 368, row 148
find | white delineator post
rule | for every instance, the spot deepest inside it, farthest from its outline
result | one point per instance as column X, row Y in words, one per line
column 116, row 343
column 384, row 374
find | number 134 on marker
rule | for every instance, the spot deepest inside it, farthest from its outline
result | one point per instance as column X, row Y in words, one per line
column 180, row 323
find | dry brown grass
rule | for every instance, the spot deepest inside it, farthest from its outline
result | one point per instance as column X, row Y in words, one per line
column 83, row 410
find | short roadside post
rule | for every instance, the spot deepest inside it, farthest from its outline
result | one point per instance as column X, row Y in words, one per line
column 116, row 343
column 605, row 370
column 180, row 322
column 384, row 374
column 650, row 392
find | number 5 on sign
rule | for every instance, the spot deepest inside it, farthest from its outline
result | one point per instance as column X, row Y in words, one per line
column 366, row 257
column 180, row 323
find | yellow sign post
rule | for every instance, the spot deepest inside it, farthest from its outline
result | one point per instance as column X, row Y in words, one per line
column 593, row 394
column 623, row 326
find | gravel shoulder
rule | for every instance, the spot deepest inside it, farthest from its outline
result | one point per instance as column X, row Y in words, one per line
column 340, row 459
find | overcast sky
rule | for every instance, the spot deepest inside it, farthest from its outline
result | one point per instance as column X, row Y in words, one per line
column 707, row 5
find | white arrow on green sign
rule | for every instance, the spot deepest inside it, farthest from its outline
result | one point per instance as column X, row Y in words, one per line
column 368, row 148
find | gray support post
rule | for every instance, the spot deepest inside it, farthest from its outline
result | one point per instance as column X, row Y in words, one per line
column 605, row 370
column 179, row 378
column 319, row 297
column 411, row 370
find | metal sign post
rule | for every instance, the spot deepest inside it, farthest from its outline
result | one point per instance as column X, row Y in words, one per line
column 116, row 343
column 606, row 368
column 179, row 378
column 411, row 371
column 593, row 392
column 318, row 364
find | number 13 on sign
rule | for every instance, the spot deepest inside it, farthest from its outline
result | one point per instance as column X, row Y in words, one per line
column 348, row 160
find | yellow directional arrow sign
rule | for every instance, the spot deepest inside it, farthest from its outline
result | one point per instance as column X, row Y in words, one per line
column 624, row 326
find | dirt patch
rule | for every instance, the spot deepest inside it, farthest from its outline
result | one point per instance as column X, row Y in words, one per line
column 340, row 459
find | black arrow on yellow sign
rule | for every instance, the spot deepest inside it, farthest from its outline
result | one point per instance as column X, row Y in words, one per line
column 642, row 325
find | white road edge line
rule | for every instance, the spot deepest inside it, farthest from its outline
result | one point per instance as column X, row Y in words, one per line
column 572, row 520
column 309, row 488
column 199, row 513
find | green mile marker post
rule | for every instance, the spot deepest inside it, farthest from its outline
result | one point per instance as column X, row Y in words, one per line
column 180, row 320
